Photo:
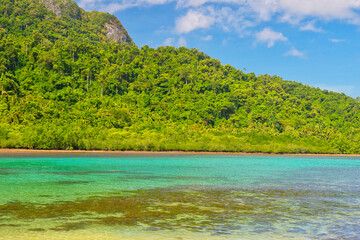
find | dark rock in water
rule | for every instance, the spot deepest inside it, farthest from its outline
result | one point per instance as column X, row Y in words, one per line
column 71, row 226
column 87, row 172
column 10, row 225
column 45, row 196
column 73, row 182
column 60, row 228
column 37, row 229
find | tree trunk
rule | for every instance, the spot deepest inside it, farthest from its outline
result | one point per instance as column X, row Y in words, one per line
column 87, row 83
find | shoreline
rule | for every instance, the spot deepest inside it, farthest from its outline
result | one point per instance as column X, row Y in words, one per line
column 22, row 151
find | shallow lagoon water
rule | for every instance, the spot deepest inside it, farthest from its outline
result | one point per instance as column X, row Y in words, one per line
column 142, row 196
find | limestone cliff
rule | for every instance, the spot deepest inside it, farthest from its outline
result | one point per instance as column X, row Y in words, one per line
column 116, row 32
column 63, row 8
column 110, row 26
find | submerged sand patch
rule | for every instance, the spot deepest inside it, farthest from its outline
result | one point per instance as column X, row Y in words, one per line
column 213, row 211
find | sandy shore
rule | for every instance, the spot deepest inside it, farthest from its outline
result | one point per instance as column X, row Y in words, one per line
column 84, row 235
column 5, row 151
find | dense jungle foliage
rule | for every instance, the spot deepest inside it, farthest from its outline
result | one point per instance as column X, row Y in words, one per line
column 64, row 85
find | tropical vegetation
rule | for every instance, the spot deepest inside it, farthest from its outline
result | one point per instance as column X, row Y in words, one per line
column 65, row 85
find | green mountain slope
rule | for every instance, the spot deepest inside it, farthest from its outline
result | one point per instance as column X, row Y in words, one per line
column 71, row 79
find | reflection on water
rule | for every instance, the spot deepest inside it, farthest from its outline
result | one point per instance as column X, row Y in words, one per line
column 226, row 198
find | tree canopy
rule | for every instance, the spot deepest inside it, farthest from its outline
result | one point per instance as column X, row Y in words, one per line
column 65, row 85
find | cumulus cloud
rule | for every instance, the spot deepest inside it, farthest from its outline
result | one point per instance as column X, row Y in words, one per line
column 295, row 53
column 169, row 42
column 310, row 26
column 207, row 38
column 193, row 20
column 264, row 9
column 326, row 9
column 225, row 18
column 291, row 9
column 335, row 40
column 191, row 3
column 197, row 3
column 267, row 35
column 112, row 6
column 181, row 42
column 241, row 14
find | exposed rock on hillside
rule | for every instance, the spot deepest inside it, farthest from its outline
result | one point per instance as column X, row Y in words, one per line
column 117, row 32
column 63, row 8
column 110, row 25
column 113, row 29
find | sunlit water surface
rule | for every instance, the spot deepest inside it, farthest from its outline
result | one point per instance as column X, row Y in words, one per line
column 143, row 196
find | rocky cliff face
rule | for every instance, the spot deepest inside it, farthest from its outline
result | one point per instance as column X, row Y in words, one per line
column 63, row 8
column 114, row 30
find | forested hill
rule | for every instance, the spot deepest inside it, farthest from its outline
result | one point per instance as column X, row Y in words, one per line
column 71, row 79
column 58, row 21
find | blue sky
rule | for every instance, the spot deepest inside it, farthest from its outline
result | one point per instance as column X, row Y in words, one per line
column 316, row 42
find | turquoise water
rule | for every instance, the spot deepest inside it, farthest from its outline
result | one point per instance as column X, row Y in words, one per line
column 185, row 196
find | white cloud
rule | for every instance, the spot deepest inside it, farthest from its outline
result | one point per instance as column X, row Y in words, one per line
column 326, row 9
column 291, row 9
column 295, row 53
column 335, row 40
column 191, row 3
column 112, row 6
column 296, row 10
column 207, row 38
column 169, row 42
column 270, row 37
column 238, row 15
column 265, row 10
column 231, row 20
column 182, row 42
column 197, row 3
column 193, row 20
column 310, row 26
column 226, row 18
